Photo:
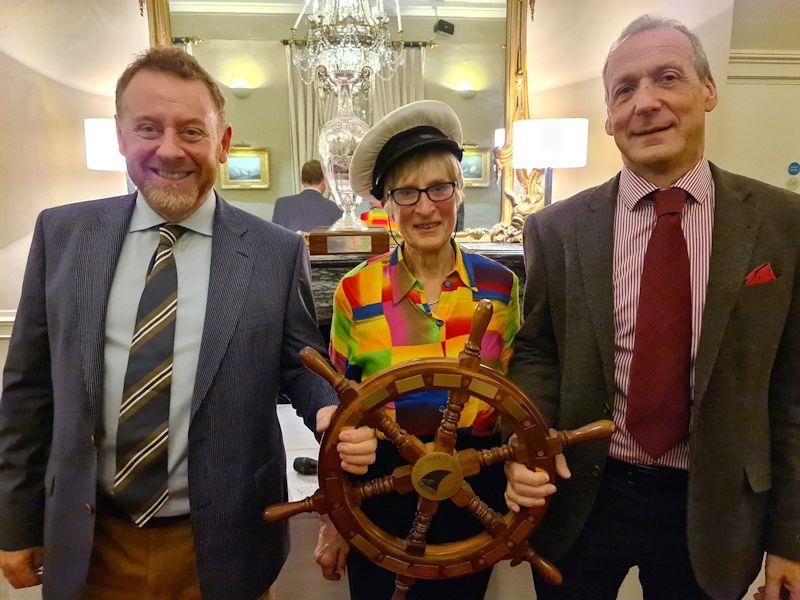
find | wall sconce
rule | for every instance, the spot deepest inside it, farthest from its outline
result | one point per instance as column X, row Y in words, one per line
column 241, row 89
column 102, row 151
column 550, row 144
column 466, row 90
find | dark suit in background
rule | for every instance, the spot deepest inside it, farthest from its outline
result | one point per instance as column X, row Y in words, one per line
column 305, row 211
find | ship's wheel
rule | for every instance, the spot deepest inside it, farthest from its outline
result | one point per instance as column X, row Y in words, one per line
column 435, row 471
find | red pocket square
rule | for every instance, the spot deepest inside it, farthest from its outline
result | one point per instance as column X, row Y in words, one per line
column 759, row 275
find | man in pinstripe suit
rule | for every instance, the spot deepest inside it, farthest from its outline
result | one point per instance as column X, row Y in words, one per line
column 243, row 311
column 702, row 474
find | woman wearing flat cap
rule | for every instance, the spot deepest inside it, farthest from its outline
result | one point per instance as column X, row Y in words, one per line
column 416, row 302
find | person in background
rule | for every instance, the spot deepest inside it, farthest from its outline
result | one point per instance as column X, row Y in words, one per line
column 310, row 208
column 417, row 301
column 668, row 299
column 139, row 441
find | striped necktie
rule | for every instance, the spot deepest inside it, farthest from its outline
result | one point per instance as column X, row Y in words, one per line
column 140, row 483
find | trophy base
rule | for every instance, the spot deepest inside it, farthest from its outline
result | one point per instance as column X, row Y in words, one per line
column 371, row 241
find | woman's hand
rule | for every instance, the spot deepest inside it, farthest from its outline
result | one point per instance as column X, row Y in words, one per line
column 530, row 488
column 356, row 446
column 331, row 551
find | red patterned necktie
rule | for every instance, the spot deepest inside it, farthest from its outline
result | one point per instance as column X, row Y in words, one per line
column 658, row 393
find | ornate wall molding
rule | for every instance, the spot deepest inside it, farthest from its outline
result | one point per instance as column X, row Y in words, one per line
column 764, row 67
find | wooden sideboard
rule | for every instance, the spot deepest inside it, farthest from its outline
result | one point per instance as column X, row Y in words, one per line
column 326, row 271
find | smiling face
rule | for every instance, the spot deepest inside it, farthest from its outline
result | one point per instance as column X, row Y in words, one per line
column 169, row 132
column 657, row 104
column 426, row 226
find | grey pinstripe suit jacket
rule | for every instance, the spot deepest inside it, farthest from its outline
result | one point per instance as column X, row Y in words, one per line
column 260, row 312
column 744, row 476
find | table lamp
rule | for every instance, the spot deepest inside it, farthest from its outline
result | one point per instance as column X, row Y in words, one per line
column 550, row 144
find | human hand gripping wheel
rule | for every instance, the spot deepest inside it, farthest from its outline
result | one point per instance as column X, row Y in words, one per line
column 436, row 472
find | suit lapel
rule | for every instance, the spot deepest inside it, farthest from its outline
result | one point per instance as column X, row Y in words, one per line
column 737, row 219
column 595, row 233
column 231, row 265
column 97, row 259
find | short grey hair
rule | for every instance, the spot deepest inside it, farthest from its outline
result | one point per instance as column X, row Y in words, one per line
column 648, row 22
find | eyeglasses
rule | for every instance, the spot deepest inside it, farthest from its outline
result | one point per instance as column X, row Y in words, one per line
column 438, row 192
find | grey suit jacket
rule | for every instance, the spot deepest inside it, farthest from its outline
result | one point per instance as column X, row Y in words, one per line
column 744, row 476
column 305, row 211
column 260, row 313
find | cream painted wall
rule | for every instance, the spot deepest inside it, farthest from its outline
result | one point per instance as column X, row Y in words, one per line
column 761, row 126
column 59, row 64
column 567, row 44
column 42, row 162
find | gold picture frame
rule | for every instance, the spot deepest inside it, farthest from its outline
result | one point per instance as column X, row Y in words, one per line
column 475, row 166
column 246, row 169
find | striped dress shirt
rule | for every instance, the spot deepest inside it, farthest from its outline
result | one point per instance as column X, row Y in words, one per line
column 634, row 221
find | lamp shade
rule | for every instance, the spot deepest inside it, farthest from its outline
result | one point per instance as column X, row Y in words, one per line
column 102, row 152
column 555, row 143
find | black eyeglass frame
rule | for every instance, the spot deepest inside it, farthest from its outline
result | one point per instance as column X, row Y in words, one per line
column 419, row 191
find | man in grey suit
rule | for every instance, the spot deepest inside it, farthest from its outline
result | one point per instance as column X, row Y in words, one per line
column 121, row 478
column 692, row 347
column 309, row 208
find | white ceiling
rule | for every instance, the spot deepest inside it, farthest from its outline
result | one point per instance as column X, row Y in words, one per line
column 84, row 45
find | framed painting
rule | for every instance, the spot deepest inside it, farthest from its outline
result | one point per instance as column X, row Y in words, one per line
column 475, row 166
column 246, row 169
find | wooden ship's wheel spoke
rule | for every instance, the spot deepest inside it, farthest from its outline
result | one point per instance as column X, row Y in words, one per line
column 409, row 446
column 435, row 472
column 491, row 520
column 398, row 482
column 468, row 360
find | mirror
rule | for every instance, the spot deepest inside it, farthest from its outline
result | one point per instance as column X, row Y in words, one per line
column 243, row 46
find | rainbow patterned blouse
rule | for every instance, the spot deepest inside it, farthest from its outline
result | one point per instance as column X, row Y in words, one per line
column 381, row 318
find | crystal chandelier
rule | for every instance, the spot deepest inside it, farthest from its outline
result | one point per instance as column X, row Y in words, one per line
column 347, row 41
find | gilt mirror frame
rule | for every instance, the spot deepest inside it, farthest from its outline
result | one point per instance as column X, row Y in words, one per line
column 516, row 108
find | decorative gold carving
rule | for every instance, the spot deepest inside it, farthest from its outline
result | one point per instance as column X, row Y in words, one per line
column 515, row 206
column 158, row 21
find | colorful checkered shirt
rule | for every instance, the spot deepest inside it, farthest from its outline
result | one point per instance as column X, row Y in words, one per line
column 381, row 318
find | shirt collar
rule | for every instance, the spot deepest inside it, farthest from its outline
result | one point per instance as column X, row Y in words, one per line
column 200, row 221
column 402, row 281
column 697, row 182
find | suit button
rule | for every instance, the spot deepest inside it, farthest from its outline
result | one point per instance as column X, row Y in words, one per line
column 89, row 508
column 439, row 322
column 606, row 409
column 596, row 470
column 93, row 440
